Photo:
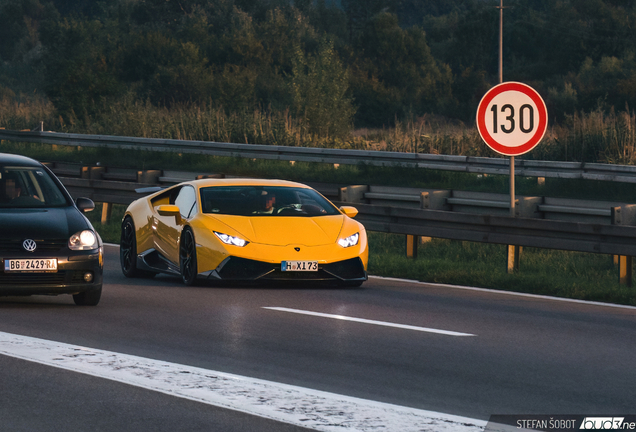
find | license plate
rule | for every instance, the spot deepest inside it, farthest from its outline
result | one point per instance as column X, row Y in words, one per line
column 299, row 266
column 30, row 265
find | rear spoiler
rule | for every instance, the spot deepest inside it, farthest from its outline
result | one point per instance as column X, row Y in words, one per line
column 149, row 190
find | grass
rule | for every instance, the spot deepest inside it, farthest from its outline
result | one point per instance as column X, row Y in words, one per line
column 109, row 232
column 546, row 272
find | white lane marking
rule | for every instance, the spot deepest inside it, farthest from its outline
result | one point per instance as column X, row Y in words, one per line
column 299, row 406
column 512, row 293
column 367, row 321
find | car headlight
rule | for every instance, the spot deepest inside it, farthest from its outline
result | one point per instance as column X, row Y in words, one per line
column 83, row 240
column 231, row 240
column 352, row 240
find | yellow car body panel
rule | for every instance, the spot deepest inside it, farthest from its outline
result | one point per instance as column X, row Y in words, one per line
column 275, row 250
column 282, row 231
column 270, row 240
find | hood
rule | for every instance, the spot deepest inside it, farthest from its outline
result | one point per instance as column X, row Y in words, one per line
column 286, row 230
column 48, row 223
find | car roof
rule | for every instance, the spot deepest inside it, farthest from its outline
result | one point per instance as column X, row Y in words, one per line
column 13, row 159
column 245, row 182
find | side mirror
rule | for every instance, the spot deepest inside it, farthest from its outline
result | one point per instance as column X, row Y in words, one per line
column 169, row 210
column 85, row 204
column 349, row 211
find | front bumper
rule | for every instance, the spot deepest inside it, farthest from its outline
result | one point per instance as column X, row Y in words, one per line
column 68, row 279
column 242, row 269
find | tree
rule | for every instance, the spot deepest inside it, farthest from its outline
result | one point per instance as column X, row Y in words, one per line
column 319, row 86
column 78, row 66
column 397, row 66
column 165, row 69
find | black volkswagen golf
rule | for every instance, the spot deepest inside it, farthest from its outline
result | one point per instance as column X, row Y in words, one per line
column 47, row 245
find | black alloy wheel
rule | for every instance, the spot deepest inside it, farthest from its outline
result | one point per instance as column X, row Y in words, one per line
column 188, row 257
column 128, row 248
column 128, row 251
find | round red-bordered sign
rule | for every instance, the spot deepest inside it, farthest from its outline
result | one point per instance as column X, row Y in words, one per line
column 512, row 118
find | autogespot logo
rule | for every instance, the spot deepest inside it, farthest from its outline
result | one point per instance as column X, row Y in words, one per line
column 29, row 245
column 560, row 422
column 603, row 423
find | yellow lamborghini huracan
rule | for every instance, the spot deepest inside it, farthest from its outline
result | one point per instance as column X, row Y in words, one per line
column 243, row 230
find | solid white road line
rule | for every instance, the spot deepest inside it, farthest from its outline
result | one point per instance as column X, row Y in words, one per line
column 284, row 403
column 511, row 293
column 367, row 321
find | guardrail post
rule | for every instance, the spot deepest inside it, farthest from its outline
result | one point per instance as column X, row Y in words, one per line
column 624, row 262
column 107, row 209
column 411, row 245
column 412, row 241
column 353, row 194
column 148, row 176
column 512, row 258
column 97, row 173
column 625, row 270
column 425, row 203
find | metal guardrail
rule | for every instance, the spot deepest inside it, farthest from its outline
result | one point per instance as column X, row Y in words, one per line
column 469, row 164
column 535, row 207
column 585, row 226
column 118, row 185
column 405, row 210
column 582, row 213
column 483, row 228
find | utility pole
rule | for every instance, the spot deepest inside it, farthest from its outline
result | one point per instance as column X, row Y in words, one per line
column 513, row 251
column 501, row 8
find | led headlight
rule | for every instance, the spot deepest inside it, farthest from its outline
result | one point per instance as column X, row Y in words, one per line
column 231, row 240
column 352, row 240
column 83, row 240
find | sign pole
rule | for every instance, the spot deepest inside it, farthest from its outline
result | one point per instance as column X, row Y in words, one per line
column 501, row 8
column 513, row 251
column 512, row 186
column 512, row 158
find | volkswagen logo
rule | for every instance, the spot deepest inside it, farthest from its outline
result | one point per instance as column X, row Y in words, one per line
column 29, row 245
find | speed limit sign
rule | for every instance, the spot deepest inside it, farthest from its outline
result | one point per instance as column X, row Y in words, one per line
column 512, row 118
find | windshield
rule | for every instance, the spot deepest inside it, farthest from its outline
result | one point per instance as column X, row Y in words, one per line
column 28, row 187
column 265, row 201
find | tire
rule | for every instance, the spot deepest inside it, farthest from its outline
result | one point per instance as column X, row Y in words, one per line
column 128, row 251
column 88, row 298
column 188, row 258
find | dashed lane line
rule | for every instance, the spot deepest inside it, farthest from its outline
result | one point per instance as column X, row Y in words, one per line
column 368, row 321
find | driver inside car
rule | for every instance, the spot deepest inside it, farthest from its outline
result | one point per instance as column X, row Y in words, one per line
column 12, row 190
column 266, row 203
column 9, row 190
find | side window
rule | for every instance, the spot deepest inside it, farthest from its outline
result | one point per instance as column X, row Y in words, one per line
column 186, row 201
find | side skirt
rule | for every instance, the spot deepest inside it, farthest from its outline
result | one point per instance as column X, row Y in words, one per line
column 152, row 260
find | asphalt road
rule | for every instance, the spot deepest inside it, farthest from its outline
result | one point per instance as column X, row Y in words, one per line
column 527, row 355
